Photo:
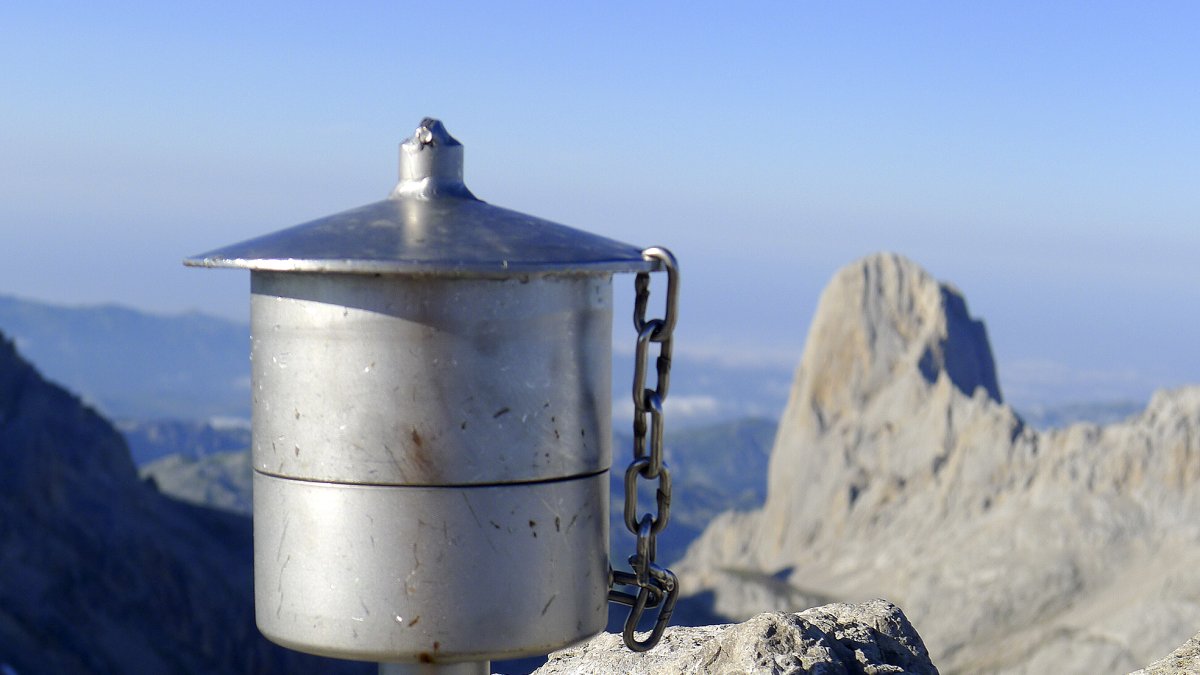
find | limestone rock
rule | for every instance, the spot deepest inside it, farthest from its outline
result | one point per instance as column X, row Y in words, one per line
column 1182, row 661
column 898, row 472
column 221, row 480
column 869, row 638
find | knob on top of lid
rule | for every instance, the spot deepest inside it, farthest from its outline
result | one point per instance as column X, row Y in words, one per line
column 431, row 163
column 430, row 224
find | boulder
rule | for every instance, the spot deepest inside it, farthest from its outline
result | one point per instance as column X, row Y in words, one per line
column 871, row 638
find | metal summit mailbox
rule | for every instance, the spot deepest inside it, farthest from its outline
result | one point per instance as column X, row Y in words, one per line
column 432, row 426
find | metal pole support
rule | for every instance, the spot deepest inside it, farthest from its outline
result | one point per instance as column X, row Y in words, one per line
column 468, row 668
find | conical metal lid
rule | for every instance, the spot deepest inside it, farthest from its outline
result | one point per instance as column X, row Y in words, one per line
column 431, row 224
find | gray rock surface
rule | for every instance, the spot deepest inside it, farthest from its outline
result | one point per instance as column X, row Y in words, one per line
column 869, row 638
column 1182, row 661
column 221, row 480
column 898, row 472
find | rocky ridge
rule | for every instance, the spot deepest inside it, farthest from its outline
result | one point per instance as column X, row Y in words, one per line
column 99, row 573
column 870, row 638
column 898, row 472
column 1182, row 661
column 222, row 480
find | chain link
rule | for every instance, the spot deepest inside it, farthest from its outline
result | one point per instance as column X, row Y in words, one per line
column 657, row 587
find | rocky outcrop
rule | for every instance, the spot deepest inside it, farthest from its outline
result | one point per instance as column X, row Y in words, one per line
column 220, row 480
column 1182, row 661
column 898, row 472
column 99, row 573
column 151, row 440
column 869, row 638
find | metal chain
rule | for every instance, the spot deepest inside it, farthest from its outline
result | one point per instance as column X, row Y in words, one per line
column 657, row 587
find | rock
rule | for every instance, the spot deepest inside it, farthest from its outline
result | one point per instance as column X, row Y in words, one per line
column 150, row 440
column 1182, row 661
column 869, row 638
column 99, row 573
column 221, row 480
column 898, row 472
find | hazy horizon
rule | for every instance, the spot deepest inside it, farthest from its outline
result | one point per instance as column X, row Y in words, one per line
column 1043, row 159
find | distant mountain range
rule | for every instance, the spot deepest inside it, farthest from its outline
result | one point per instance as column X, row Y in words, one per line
column 1066, row 414
column 137, row 367
column 150, row 440
column 130, row 364
column 896, row 470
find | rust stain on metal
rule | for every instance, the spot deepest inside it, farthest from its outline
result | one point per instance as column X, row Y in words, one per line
column 419, row 455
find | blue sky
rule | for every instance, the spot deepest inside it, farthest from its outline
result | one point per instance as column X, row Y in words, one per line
column 1043, row 157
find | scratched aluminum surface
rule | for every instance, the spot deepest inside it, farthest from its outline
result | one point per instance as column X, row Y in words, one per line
column 430, row 574
column 397, row 380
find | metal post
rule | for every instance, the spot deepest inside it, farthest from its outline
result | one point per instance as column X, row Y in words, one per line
column 468, row 668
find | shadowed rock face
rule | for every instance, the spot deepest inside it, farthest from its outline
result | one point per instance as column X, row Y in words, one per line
column 898, row 472
column 964, row 353
column 99, row 573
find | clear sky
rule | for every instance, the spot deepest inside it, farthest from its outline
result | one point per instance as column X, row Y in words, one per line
column 1043, row 157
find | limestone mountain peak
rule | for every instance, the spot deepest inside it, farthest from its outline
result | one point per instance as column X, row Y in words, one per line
column 881, row 318
column 898, row 472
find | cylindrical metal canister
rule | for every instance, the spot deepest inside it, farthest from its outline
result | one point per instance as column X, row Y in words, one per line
column 431, row 463
column 431, row 423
